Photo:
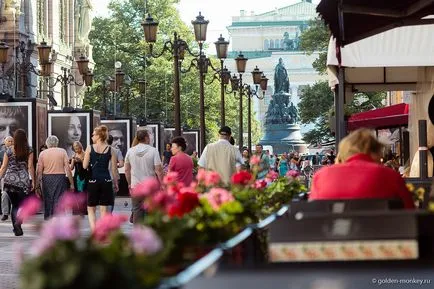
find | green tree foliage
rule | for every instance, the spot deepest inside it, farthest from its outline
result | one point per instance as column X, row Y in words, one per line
column 119, row 37
column 316, row 39
column 317, row 101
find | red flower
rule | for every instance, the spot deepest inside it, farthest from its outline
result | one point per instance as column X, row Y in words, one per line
column 186, row 201
column 241, row 178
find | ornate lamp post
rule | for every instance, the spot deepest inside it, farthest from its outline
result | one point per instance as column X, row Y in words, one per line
column 66, row 78
column 247, row 90
column 177, row 47
column 222, row 53
column 142, row 91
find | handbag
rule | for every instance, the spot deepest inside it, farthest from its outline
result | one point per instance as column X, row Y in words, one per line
column 17, row 181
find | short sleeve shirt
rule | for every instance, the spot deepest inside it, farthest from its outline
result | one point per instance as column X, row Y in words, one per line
column 182, row 164
column 143, row 159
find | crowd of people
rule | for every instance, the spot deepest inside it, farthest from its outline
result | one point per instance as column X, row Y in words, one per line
column 94, row 170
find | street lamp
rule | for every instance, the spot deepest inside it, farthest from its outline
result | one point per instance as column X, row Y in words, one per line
column 66, row 78
column 259, row 79
column 222, row 53
column 177, row 47
column 241, row 62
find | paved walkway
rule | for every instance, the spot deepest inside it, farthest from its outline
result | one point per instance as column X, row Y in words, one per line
column 8, row 242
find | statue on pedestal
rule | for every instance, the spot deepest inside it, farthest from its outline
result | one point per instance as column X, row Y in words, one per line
column 281, row 130
column 281, row 110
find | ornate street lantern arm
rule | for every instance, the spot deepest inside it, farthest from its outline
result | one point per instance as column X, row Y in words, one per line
column 215, row 76
column 193, row 63
column 168, row 46
column 69, row 79
column 191, row 52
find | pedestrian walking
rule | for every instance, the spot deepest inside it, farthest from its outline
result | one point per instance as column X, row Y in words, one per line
column 141, row 162
column 53, row 166
column 167, row 155
column 5, row 202
column 119, row 164
column 80, row 174
column 181, row 163
column 264, row 164
column 221, row 156
column 100, row 187
column 18, row 172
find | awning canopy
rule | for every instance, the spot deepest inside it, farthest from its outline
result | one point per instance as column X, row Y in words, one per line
column 353, row 20
column 386, row 61
column 385, row 117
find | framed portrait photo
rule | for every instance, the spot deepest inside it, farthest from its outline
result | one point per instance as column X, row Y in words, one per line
column 192, row 139
column 69, row 128
column 154, row 134
column 16, row 115
column 120, row 130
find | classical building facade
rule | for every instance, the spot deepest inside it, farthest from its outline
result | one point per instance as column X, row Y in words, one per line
column 62, row 24
column 267, row 37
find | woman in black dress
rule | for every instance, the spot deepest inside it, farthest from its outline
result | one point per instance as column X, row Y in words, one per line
column 100, row 187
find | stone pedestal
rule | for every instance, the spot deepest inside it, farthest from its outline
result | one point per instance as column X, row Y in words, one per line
column 284, row 138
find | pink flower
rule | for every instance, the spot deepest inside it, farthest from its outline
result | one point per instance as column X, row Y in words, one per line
column 170, row 178
column 174, row 189
column 107, row 225
column 271, row 176
column 217, row 197
column 212, row 179
column 57, row 228
column 292, row 173
column 260, row 184
column 30, row 207
column 71, row 201
column 159, row 200
column 255, row 160
column 147, row 187
column 144, row 240
column 201, row 175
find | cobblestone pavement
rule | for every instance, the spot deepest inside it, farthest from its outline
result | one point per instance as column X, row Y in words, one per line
column 9, row 242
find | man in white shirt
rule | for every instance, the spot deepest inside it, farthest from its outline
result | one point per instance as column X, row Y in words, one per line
column 141, row 162
column 221, row 156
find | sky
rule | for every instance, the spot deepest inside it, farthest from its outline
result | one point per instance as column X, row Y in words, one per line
column 218, row 12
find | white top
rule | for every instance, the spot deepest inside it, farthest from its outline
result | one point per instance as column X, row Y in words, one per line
column 143, row 159
column 238, row 157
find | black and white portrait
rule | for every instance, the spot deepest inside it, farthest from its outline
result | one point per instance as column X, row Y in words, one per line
column 119, row 129
column 69, row 128
column 153, row 131
column 168, row 135
column 192, row 139
column 13, row 116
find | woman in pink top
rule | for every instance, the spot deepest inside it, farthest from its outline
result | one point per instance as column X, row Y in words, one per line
column 53, row 165
column 181, row 163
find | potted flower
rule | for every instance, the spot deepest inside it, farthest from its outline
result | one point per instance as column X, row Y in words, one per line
column 64, row 258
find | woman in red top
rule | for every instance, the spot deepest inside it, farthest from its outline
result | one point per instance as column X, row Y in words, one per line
column 181, row 163
column 357, row 173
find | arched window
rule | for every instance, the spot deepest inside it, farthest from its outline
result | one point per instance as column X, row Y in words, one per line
column 277, row 43
column 266, row 44
column 271, row 43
